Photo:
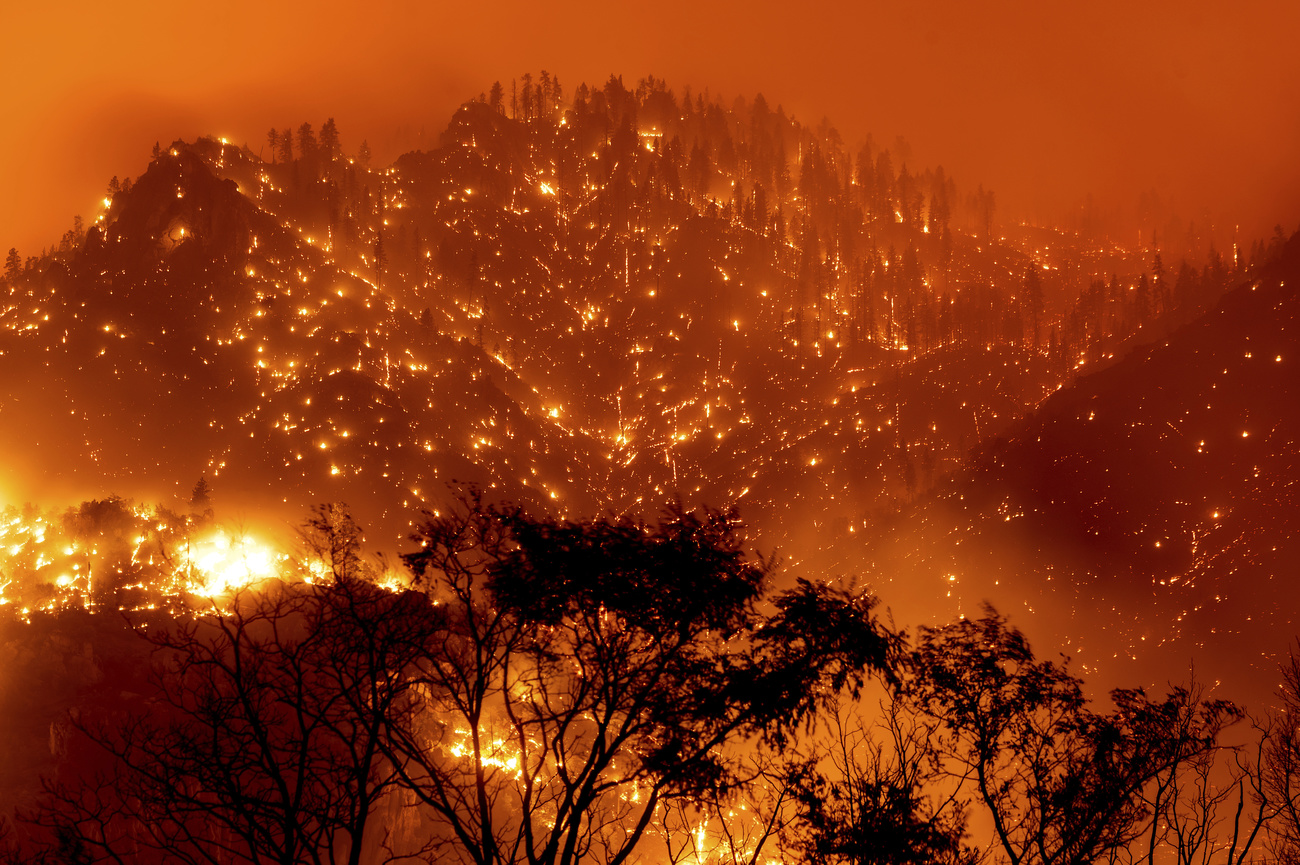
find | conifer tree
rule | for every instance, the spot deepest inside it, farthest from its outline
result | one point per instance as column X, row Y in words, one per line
column 286, row 145
column 306, row 141
column 329, row 140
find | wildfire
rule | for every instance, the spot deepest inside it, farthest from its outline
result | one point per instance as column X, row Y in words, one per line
column 109, row 555
column 219, row 564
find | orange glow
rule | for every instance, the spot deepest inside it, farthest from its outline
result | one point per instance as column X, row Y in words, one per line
column 1106, row 98
column 164, row 560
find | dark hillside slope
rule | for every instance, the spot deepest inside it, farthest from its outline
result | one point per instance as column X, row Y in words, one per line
column 1154, row 503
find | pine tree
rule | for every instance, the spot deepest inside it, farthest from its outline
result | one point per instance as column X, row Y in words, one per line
column 286, row 146
column 543, row 93
column 526, row 97
column 306, row 141
column 201, row 498
column 13, row 264
column 329, row 140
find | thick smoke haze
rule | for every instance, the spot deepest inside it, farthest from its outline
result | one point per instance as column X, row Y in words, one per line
column 241, row 372
column 1043, row 103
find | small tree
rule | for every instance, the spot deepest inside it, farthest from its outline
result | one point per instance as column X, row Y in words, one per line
column 1061, row 783
column 874, row 794
column 201, row 499
column 332, row 538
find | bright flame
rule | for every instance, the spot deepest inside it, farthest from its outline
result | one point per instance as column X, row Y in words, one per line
column 219, row 564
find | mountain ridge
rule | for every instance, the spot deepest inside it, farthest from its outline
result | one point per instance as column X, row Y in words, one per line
column 1148, row 504
column 601, row 303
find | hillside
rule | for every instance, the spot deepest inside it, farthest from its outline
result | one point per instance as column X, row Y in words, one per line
column 594, row 302
column 1147, row 512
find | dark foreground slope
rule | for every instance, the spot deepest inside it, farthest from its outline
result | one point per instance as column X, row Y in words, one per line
column 1148, row 513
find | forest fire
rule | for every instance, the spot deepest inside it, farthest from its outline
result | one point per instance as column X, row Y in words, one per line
column 112, row 555
column 628, row 300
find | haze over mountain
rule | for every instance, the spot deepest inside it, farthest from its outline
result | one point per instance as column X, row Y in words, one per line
column 1047, row 105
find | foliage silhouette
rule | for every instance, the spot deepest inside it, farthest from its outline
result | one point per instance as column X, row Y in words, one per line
column 1062, row 783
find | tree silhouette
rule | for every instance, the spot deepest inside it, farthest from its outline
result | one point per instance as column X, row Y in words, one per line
column 870, row 795
column 555, row 687
column 286, row 145
column 1062, row 783
column 594, row 673
column 1216, row 803
column 1281, row 775
column 201, row 498
column 260, row 741
column 329, row 140
column 333, row 539
column 306, row 141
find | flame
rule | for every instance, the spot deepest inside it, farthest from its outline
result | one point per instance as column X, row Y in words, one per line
column 49, row 565
column 220, row 564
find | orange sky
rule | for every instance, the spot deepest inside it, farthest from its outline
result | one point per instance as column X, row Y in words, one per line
column 1043, row 102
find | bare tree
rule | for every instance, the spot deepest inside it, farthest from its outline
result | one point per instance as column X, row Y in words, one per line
column 1281, row 776
column 1209, row 805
